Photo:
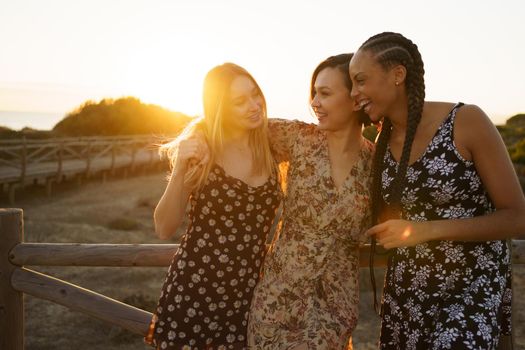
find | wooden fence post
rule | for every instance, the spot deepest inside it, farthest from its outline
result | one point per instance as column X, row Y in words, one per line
column 114, row 147
column 23, row 162
column 11, row 301
column 88, row 159
column 60, row 161
column 133, row 157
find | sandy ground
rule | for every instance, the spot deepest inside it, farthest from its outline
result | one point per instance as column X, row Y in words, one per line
column 86, row 214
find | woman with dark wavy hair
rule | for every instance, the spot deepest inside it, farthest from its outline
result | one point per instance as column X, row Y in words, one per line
column 308, row 295
column 445, row 199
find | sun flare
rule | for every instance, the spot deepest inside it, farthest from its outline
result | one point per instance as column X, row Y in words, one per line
column 407, row 232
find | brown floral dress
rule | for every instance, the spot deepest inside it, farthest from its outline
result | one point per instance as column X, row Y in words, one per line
column 309, row 290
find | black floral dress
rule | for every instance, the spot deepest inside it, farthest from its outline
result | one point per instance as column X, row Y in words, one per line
column 444, row 294
column 206, row 296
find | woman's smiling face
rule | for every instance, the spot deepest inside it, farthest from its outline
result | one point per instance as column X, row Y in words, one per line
column 331, row 100
column 245, row 110
column 373, row 87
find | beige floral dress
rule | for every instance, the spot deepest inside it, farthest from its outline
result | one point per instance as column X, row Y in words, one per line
column 309, row 291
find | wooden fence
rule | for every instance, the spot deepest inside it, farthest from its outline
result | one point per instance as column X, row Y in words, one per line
column 51, row 161
column 15, row 280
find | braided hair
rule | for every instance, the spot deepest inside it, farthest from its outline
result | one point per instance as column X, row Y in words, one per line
column 389, row 50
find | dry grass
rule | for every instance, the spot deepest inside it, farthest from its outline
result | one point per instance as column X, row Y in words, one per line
column 82, row 215
column 123, row 224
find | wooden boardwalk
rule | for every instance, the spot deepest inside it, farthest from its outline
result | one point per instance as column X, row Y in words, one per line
column 24, row 162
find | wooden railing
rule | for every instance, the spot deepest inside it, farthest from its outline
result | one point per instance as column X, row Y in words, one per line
column 47, row 161
column 15, row 280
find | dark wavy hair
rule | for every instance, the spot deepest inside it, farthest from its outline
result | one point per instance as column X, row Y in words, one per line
column 340, row 62
column 390, row 50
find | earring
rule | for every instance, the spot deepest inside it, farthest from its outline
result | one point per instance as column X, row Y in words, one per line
column 397, row 83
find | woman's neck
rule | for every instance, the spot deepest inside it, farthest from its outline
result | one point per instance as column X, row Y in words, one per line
column 239, row 139
column 345, row 140
column 398, row 115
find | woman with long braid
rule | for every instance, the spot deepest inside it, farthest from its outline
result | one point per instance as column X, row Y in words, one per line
column 445, row 199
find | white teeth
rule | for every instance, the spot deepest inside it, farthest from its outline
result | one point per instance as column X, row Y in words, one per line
column 364, row 105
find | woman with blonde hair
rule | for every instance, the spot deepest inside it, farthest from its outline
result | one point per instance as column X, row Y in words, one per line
column 234, row 192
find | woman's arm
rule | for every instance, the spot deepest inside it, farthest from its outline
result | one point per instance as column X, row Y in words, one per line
column 478, row 140
column 171, row 209
column 283, row 134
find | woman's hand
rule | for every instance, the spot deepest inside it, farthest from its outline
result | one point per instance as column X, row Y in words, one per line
column 400, row 233
column 192, row 152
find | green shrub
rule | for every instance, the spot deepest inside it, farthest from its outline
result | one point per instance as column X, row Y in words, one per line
column 370, row 133
column 517, row 152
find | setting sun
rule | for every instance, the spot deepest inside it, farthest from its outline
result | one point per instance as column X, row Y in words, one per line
column 168, row 80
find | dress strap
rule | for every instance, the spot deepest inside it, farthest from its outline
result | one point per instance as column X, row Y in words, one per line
column 448, row 123
column 454, row 110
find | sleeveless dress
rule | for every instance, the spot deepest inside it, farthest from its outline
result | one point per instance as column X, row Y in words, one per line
column 309, row 291
column 444, row 294
column 206, row 296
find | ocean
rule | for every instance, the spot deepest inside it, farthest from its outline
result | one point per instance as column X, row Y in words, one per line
column 17, row 120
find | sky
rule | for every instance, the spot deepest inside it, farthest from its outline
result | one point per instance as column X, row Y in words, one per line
column 56, row 54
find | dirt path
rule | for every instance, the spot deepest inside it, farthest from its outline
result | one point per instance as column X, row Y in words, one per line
column 93, row 213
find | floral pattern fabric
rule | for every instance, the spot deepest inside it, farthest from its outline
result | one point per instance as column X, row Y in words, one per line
column 309, row 289
column 206, row 296
column 444, row 294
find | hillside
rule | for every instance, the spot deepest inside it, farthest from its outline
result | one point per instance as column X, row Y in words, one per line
column 124, row 116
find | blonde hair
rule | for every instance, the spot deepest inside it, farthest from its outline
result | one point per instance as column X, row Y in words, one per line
column 216, row 101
